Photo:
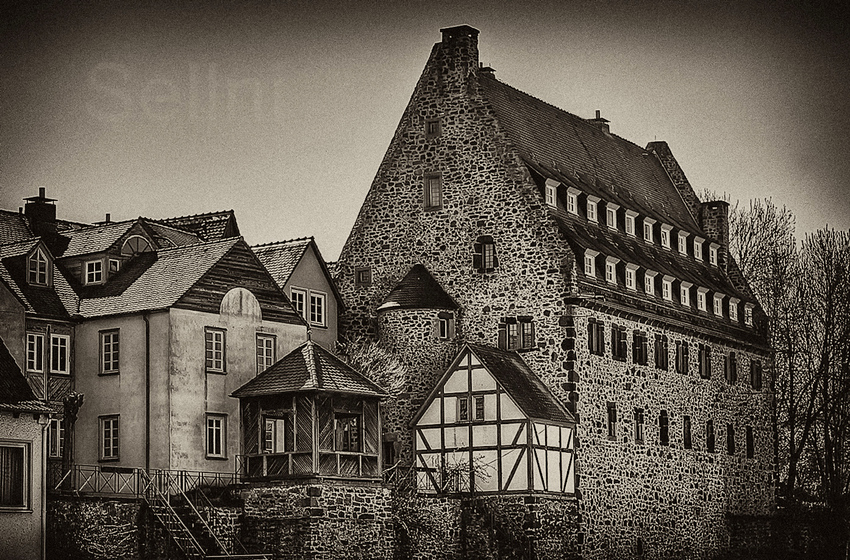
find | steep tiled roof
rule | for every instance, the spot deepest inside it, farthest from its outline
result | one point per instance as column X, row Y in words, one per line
column 13, row 386
column 13, row 227
column 418, row 290
column 95, row 239
column 157, row 281
column 524, row 387
column 281, row 258
column 579, row 153
column 209, row 227
column 168, row 236
column 57, row 302
column 309, row 368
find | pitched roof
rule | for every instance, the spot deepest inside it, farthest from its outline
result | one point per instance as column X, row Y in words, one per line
column 95, row 239
column 156, row 281
column 281, row 258
column 13, row 385
column 418, row 290
column 59, row 301
column 309, row 368
column 13, row 227
column 599, row 163
column 524, row 387
column 209, row 227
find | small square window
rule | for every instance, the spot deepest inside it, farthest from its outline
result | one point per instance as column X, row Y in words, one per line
column 516, row 333
column 109, row 351
column 94, row 272
column 362, row 276
column 214, row 349
column 433, row 129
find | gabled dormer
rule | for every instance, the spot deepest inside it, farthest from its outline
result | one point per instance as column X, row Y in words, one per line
column 40, row 266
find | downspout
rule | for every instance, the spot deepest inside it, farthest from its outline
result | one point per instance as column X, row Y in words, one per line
column 44, row 421
column 146, row 317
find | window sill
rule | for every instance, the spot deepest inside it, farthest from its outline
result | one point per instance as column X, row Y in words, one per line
column 432, row 208
column 215, row 371
column 108, row 373
column 13, row 509
column 216, row 458
column 318, row 326
column 109, row 460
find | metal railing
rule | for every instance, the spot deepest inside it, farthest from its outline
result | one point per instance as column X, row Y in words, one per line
column 130, row 482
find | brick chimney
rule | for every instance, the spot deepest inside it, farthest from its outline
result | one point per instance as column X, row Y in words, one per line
column 41, row 213
column 714, row 221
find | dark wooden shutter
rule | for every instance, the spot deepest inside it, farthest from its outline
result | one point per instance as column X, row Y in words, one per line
column 503, row 336
column 495, row 257
column 477, row 261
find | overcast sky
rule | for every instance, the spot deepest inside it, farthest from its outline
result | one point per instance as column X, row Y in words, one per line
column 282, row 110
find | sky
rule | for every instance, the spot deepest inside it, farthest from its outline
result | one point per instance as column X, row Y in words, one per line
column 283, row 110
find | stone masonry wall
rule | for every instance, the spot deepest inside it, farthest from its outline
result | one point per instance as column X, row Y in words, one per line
column 92, row 529
column 675, row 499
column 328, row 521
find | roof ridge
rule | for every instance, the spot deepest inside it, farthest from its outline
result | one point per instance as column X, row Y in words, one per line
column 491, row 77
column 272, row 244
column 169, row 226
column 200, row 215
column 199, row 244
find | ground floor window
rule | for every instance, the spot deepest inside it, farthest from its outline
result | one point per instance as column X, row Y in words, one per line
column 14, row 463
column 109, row 437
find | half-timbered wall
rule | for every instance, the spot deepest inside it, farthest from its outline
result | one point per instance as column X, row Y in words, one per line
column 473, row 436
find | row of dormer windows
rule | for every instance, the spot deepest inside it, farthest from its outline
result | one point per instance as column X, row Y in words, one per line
column 650, row 229
column 687, row 436
column 661, row 353
column 666, row 287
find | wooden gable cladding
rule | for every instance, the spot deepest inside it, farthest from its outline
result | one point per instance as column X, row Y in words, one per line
column 239, row 268
column 471, row 435
column 310, row 434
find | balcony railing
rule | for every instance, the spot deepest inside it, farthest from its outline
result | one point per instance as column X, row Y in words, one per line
column 104, row 480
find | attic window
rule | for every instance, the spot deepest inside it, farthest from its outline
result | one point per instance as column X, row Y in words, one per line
column 37, row 268
column 611, row 215
column 630, row 222
column 665, row 235
column 552, row 193
column 712, row 253
column 135, row 245
column 590, row 263
column 685, row 294
column 611, row 269
column 631, row 276
column 667, row 288
column 683, row 242
column 114, row 266
column 94, row 272
column 733, row 308
column 572, row 200
column 433, row 128
column 649, row 282
column 433, row 197
column 698, row 248
column 718, row 305
column 748, row 314
column 702, row 299
column 592, row 208
column 484, row 258
column 648, row 224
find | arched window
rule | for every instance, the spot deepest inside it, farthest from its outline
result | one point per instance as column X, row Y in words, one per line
column 134, row 245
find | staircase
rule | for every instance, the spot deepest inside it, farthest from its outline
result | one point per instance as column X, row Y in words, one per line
column 179, row 516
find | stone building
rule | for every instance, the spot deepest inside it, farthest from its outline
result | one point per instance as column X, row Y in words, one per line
column 591, row 259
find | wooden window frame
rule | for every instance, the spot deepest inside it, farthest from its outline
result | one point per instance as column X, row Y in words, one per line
column 619, row 344
column 211, row 361
column 756, row 375
column 709, row 436
column 662, row 352
column 485, row 258
column 112, row 365
column 35, row 355
column 432, row 185
column 113, row 452
column 215, row 436
column 612, row 420
column 362, row 276
column 682, row 357
column 318, row 308
column 596, row 337
column 343, row 438
column 433, row 128
column 65, row 367
column 22, row 482
column 663, row 428
column 56, row 438
column 704, row 352
column 640, row 348
column 38, row 265
column 263, row 362
column 639, row 426
column 89, row 272
column 687, row 434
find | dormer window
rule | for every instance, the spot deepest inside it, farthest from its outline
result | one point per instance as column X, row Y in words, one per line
column 572, row 200
column 748, row 314
column 94, row 272
column 698, row 248
column 718, row 305
column 631, row 276
column 590, row 263
column 667, row 288
column 37, row 268
column 685, row 294
column 712, row 253
column 592, row 202
column 649, row 282
column 552, row 193
column 683, row 242
column 630, row 222
column 114, row 266
column 648, row 224
column 611, row 215
column 611, row 269
column 665, row 235
column 733, row 308
column 702, row 299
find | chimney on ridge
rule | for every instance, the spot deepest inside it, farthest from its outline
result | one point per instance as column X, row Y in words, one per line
column 41, row 213
column 600, row 122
